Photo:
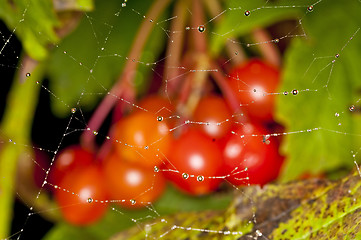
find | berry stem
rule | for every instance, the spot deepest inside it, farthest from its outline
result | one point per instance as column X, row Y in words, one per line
column 174, row 48
column 124, row 83
column 226, row 90
column 267, row 46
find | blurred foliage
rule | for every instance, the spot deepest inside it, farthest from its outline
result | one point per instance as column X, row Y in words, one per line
column 116, row 220
column 33, row 22
column 263, row 14
column 309, row 209
column 109, row 32
column 311, row 63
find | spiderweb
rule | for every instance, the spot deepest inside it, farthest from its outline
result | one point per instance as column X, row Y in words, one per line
column 77, row 85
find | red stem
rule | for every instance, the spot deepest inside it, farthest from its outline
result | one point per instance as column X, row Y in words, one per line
column 267, row 47
column 226, row 90
column 200, row 42
column 174, row 47
column 124, row 81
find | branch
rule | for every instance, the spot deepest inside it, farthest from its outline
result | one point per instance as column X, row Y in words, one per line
column 124, row 82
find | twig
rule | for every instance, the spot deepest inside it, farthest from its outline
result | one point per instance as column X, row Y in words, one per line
column 125, row 79
column 174, row 47
column 267, row 47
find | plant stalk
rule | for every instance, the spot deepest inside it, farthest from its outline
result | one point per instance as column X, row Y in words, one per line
column 15, row 130
column 124, row 82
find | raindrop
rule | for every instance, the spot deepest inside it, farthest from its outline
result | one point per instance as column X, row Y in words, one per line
column 187, row 28
column 156, row 169
column 132, row 201
column 185, row 175
column 285, row 93
column 73, row 110
column 247, row 13
column 159, row 118
column 295, row 92
column 37, row 82
column 337, row 114
column 277, row 40
column 124, row 4
column 146, row 147
column 90, row 200
column 201, row 28
column 95, row 133
column 200, row 178
column 27, row 74
column 337, row 55
column 352, row 107
column 310, row 8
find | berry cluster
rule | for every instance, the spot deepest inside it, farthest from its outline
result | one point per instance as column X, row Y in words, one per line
column 153, row 143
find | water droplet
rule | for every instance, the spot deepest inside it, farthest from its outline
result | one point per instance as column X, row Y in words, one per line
column 254, row 90
column 201, row 28
column 277, row 40
column 73, row 110
column 159, row 118
column 187, row 28
column 247, row 13
column 107, row 137
column 337, row 55
column 310, row 8
column 295, row 92
column 337, row 114
column 352, row 107
column 200, row 178
column 37, row 82
column 95, row 133
column 90, row 200
column 156, row 169
column 259, row 234
column 185, row 175
column 27, row 74
column 124, row 4
column 285, row 93
column 146, row 147
column 132, row 201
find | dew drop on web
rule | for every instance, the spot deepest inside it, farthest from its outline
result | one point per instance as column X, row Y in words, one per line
column 200, row 178
column 185, row 175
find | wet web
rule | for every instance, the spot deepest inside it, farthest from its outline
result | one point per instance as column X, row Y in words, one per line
column 77, row 121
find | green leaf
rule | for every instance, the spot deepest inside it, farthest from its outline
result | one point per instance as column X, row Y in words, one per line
column 309, row 209
column 120, row 219
column 262, row 14
column 101, row 44
column 33, row 22
column 333, row 86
